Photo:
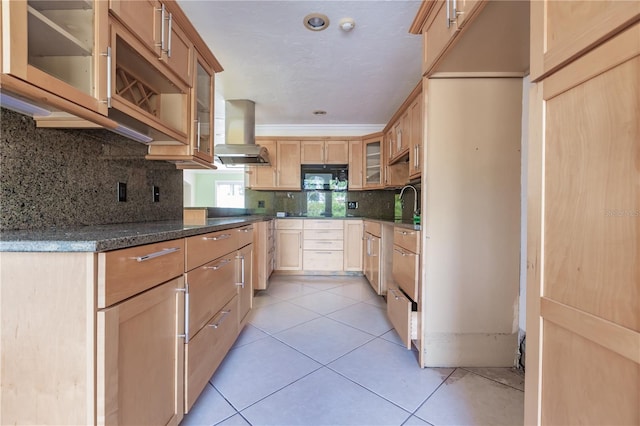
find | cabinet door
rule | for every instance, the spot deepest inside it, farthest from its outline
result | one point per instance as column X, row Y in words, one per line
column 355, row 165
column 244, row 282
column 373, row 163
column 353, row 234
column 376, row 260
column 202, row 110
column 437, row 35
column 289, row 249
column 312, row 152
column 583, row 307
column 336, row 152
column 140, row 375
column 288, row 165
column 264, row 177
column 179, row 52
column 415, row 149
column 562, row 30
column 406, row 271
column 142, row 17
column 59, row 46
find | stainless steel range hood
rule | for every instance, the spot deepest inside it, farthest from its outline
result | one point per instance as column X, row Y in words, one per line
column 240, row 145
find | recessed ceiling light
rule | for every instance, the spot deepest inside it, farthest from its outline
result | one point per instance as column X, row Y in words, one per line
column 316, row 21
column 319, row 112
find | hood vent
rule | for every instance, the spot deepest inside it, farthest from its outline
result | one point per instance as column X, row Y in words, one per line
column 240, row 147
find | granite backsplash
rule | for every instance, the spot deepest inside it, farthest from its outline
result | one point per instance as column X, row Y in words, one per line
column 67, row 177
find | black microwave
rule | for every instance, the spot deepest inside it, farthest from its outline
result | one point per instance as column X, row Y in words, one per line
column 325, row 177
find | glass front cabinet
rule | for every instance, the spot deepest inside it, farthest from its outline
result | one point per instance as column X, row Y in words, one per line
column 373, row 160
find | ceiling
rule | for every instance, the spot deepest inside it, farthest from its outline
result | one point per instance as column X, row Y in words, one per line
column 359, row 77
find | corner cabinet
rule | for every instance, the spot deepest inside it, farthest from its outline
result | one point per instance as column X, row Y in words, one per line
column 264, row 176
column 355, row 165
column 373, row 162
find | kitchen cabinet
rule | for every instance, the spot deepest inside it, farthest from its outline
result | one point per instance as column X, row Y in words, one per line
column 400, row 138
column 153, row 24
column 199, row 152
column 289, row 244
column 264, row 177
column 264, row 260
column 353, row 236
column 61, row 47
column 583, row 312
column 356, row 164
column 403, row 315
column 323, row 245
column 406, row 261
column 244, row 274
column 415, row 143
column 288, row 165
column 568, row 29
column 324, row 152
column 377, row 254
column 373, row 162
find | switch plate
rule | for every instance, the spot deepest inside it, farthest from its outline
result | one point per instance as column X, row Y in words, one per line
column 122, row 192
column 156, row 193
column 260, row 204
column 352, row 205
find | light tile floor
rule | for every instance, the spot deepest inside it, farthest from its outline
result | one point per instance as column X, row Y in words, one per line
column 320, row 351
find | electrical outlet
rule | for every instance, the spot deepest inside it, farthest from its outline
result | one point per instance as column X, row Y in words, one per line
column 156, row 193
column 260, row 204
column 122, row 192
column 352, row 205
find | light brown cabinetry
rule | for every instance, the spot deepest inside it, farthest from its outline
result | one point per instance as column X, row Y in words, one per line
column 406, row 261
column 288, row 165
column 373, row 161
column 323, row 245
column 324, row 152
column 244, row 273
column 264, row 260
column 415, row 142
column 583, row 309
column 356, row 165
column 264, row 177
column 377, row 254
column 353, row 236
column 289, row 244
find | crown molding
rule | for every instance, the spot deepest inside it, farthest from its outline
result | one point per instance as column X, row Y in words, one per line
column 317, row 130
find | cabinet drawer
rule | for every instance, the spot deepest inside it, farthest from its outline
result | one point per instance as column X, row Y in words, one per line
column 407, row 239
column 322, row 260
column 127, row 272
column 207, row 349
column 323, row 224
column 205, row 248
column 211, row 286
column 245, row 235
column 406, row 271
column 326, row 234
column 374, row 228
column 322, row 244
column 401, row 315
column 289, row 224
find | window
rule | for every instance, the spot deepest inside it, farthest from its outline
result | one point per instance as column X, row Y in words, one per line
column 326, row 203
column 229, row 194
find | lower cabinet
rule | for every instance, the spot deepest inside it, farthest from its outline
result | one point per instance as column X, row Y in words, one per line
column 323, row 245
column 264, row 255
column 289, row 244
column 377, row 255
column 402, row 313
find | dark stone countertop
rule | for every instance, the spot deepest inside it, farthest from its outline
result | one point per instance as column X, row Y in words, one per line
column 98, row 238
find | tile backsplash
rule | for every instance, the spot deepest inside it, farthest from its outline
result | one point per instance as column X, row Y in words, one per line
column 66, row 177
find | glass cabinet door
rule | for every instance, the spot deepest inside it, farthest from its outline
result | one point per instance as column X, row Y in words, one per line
column 66, row 48
column 203, row 90
column 373, row 159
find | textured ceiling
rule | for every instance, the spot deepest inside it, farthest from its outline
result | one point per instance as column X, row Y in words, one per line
column 268, row 56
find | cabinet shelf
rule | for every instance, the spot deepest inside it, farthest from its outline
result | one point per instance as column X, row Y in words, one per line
column 47, row 38
column 60, row 4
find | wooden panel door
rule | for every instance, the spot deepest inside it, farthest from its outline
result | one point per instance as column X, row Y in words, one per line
column 353, row 234
column 415, row 149
column 142, row 17
column 288, row 165
column 179, row 53
column 356, row 164
column 140, row 378
column 244, row 283
column 264, row 177
column 312, row 152
column 583, row 300
column 336, row 152
column 566, row 29
column 289, row 249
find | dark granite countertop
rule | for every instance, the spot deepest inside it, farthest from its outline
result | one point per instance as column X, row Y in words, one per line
column 98, row 238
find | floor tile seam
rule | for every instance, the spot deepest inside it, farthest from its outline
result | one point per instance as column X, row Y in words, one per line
column 226, row 400
column 356, row 328
column 489, row 378
column 277, row 390
column 300, row 352
column 371, row 391
column 431, row 395
column 288, row 328
column 319, row 313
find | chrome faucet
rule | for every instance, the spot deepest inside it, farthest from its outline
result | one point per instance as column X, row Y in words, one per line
column 416, row 212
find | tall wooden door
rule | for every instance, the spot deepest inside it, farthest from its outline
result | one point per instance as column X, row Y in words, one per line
column 583, row 301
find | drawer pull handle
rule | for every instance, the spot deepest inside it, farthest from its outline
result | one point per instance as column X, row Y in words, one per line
column 245, row 229
column 218, row 237
column 404, row 253
column 162, row 252
column 223, row 315
column 218, row 265
column 241, row 259
column 395, row 294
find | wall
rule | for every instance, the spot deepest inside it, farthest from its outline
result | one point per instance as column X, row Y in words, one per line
column 65, row 177
column 202, row 185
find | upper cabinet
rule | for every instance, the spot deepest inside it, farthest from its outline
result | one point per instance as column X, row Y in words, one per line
column 373, row 162
column 355, row 165
column 288, row 169
column 264, row 176
column 58, row 46
column 415, row 143
column 496, row 44
column 567, row 29
column 324, row 152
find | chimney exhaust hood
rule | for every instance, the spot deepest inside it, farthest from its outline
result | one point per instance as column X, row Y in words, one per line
column 240, row 145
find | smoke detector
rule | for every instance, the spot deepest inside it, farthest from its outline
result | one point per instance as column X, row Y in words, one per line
column 347, row 24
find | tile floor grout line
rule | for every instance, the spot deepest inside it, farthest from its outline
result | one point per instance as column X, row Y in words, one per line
column 431, row 394
column 489, row 378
